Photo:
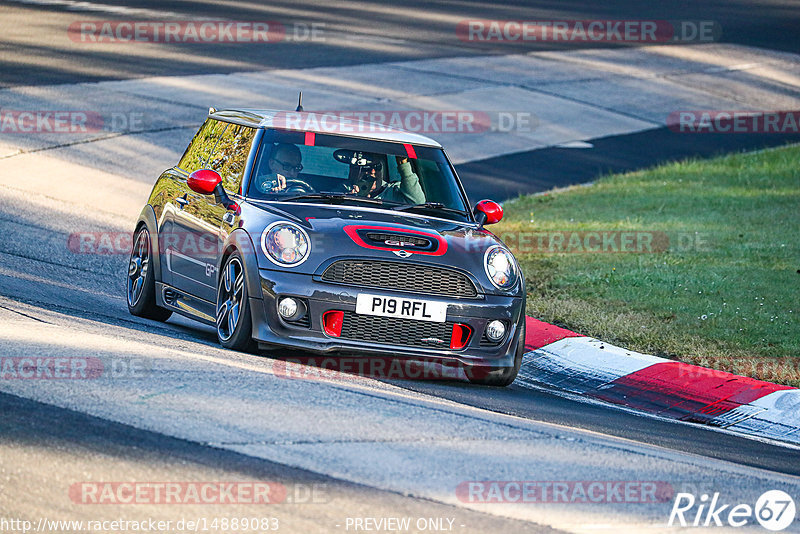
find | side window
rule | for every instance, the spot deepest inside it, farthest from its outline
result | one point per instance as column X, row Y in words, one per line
column 202, row 146
column 230, row 156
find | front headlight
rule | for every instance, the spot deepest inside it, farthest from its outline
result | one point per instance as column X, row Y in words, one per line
column 285, row 244
column 500, row 267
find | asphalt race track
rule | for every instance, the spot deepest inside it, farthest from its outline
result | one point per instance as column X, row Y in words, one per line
column 175, row 407
column 35, row 50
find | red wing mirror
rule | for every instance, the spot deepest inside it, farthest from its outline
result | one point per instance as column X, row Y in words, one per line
column 204, row 181
column 488, row 212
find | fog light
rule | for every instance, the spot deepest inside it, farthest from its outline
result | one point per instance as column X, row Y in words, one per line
column 495, row 330
column 287, row 308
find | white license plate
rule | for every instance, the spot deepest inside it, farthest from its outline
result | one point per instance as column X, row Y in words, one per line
column 383, row 306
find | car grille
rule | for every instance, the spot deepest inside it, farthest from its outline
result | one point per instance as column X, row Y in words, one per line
column 303, row 322
column 393, row 331
column 400, row 276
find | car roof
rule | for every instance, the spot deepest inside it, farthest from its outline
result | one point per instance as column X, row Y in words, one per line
column 309, row 121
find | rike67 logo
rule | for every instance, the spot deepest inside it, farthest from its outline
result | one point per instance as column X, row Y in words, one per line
column 774, row 510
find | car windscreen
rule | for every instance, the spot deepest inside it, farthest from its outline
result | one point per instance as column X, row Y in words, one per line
column 339, row 169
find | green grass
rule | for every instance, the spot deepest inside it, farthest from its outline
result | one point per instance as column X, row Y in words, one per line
column 721, row 289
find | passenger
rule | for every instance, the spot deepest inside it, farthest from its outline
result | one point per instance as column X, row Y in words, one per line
column 284, row 163
column 406, row 191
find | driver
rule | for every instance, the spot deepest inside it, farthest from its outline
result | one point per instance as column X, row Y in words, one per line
column 284, row 163
column 406, row 191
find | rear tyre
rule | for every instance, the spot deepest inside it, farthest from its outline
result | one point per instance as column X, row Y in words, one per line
column 141, row 280
column 503, row 376
column 234, row 318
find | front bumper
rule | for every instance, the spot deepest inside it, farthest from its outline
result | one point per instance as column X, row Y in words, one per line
column 271, row 331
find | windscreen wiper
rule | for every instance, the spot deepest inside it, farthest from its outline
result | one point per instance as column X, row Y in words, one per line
column 429, row 206
column 340, row 197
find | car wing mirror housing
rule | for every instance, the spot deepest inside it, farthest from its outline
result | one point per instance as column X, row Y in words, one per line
column 208, row 182
column 488, row 212
column 204, row 181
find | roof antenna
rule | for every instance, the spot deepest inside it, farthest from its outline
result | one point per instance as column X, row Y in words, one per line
column 300, row 102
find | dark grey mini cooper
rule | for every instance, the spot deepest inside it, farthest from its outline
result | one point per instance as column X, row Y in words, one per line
column 331, row 237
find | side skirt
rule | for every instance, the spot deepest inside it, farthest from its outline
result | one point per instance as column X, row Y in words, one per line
column 186, row 305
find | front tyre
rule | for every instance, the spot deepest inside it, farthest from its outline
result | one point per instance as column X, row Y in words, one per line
column 141, row 281
column 234, row 318
column 503, row 376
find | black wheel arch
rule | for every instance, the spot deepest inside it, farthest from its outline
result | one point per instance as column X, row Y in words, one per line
column 239, row 240
column 147, row 217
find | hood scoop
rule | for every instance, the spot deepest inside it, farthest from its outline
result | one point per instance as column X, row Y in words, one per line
column 403, row 242
column 398, row 240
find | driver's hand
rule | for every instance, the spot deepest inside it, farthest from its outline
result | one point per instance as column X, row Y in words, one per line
column 281, row 183
column 266, row 184
column 401, row 159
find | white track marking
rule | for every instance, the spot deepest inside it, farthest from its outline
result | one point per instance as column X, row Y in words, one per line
column 779, row 416
column 575, row 366
column 581, row 364
column 533, row 385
